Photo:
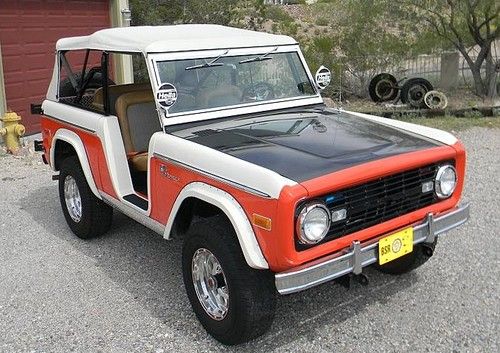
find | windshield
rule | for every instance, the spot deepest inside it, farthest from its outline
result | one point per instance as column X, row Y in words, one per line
column 225, row 80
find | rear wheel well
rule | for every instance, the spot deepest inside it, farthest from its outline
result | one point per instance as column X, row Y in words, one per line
column 62, row 150
column 191, row 209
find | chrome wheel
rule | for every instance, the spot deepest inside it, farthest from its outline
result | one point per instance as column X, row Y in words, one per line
column 72, row 199
column 210, row 284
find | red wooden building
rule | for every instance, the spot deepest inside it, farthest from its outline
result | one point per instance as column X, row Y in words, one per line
column 29, row 30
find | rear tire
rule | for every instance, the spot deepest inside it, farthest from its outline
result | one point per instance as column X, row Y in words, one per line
column 409, row 262
column 248, row 307
column 86, row 215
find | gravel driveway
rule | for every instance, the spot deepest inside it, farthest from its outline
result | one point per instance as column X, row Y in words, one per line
column 123, row 292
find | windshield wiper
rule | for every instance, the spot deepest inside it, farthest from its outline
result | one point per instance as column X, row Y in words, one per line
column 211, row 63
column 259, row 58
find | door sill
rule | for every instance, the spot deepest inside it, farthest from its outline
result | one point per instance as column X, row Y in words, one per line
column 137, row 201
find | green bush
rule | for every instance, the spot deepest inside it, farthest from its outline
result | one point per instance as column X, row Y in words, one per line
column 277, row 14
column 321, row 21
column 473, row 114
column 289, row 28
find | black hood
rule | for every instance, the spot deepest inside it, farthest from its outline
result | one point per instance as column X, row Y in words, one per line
column 302, row 146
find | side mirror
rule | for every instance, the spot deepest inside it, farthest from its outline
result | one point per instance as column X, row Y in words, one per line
column 322, row 78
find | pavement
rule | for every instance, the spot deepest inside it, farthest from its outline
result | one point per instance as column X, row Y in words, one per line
column 123, row 292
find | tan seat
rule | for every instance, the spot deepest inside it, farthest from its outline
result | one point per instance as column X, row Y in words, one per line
column 138, row 121
column 114, row 92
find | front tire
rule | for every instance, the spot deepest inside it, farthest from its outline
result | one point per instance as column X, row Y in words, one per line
column 86, row 215
column 233, row 302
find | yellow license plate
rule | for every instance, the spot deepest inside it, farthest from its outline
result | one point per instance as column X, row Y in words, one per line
column 395, row 245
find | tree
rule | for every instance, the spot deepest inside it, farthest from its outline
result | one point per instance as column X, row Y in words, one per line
column 165, row 12
column 375, row 37
column 465, row 24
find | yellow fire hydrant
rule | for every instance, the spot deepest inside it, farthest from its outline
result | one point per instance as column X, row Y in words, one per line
column 11, row 131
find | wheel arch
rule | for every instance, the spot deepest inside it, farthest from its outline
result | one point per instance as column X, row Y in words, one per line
column 227, row 204
column 64, row 139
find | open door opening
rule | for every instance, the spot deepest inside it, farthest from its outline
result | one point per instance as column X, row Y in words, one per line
column 133, row 104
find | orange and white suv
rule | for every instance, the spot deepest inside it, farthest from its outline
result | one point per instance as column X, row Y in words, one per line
column 220, row 136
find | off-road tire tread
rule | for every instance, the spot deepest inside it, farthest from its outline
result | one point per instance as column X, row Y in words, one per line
column 96, row 215
column 255, row 288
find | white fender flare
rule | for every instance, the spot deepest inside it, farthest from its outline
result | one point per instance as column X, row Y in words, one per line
column 234, row 212
column 74, row 140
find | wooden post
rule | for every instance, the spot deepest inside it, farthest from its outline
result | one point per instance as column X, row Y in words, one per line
column 123, row 69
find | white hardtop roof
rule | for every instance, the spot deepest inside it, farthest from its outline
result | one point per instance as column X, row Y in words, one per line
column 158, row 39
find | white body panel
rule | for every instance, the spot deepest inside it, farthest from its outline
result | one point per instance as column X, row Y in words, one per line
column 116, row 157
column 77, row 117
column 219, row 165
column 235, row 213
column 435, row 134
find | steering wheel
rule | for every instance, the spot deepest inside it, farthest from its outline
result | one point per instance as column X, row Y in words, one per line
column 258, row 92
column 91, row 82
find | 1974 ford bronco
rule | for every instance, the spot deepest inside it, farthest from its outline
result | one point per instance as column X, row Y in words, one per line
column 223, row 140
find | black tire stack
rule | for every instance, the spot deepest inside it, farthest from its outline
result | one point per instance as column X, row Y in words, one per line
column 384, row 87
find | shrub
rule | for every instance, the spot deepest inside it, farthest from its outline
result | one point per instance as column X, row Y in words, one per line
column 473, row 114
column 277, row 14
column 321, row 21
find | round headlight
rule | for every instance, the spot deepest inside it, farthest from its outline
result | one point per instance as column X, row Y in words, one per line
column 313, row 223
column 446, row 181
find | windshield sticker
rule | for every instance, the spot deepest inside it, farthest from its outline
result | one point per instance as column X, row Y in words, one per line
column 323, row 77
column 166, row 95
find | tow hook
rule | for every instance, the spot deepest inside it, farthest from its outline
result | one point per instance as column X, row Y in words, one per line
column 362, row 279
column 345, row 281
column 428, row 249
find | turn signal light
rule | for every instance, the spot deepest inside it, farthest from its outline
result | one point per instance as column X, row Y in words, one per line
column 261, row 221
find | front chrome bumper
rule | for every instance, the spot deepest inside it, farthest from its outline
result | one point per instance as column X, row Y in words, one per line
column 361, row 255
